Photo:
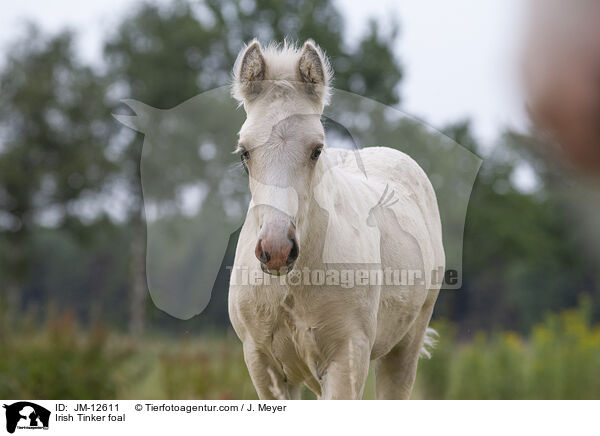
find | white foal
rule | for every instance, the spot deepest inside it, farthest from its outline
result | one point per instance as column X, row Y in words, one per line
column 314, row 214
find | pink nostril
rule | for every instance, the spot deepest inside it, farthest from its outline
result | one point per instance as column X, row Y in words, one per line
column 277, row 247
column 262, row 255
column 293, row 255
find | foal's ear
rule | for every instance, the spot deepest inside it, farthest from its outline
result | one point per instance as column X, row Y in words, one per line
column 314, row 71
column 249, row 71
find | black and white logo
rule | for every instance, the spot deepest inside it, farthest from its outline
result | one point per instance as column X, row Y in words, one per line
column 26, row 415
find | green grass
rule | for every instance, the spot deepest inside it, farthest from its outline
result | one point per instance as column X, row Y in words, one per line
column 559, row 359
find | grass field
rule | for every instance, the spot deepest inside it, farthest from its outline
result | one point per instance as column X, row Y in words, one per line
column 559, row 359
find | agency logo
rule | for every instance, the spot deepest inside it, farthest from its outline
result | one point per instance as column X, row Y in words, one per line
column 26, row 415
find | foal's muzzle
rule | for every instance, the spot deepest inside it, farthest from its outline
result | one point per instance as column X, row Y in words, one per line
column 277, row 247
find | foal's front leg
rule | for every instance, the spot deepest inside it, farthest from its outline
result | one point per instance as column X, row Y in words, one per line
column 347, row 371
column 268, row 381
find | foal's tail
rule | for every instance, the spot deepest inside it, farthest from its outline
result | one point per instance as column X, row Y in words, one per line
column 429, row 342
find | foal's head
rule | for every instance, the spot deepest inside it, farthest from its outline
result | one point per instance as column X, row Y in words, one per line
column 283, row 91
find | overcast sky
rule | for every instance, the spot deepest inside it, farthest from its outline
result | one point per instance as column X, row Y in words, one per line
column 459, row 56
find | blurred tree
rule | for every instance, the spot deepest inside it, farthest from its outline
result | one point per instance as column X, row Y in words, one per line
column 54, row 128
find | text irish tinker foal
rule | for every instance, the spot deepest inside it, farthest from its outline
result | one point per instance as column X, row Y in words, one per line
column 315, row 214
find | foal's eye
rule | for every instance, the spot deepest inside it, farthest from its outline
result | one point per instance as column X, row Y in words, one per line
column 244, row 156
column 316, row 152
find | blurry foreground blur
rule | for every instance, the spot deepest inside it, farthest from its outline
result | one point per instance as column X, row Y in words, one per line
column 562, row 71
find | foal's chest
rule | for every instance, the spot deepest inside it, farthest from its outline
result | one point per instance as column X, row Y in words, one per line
column 282, row 327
